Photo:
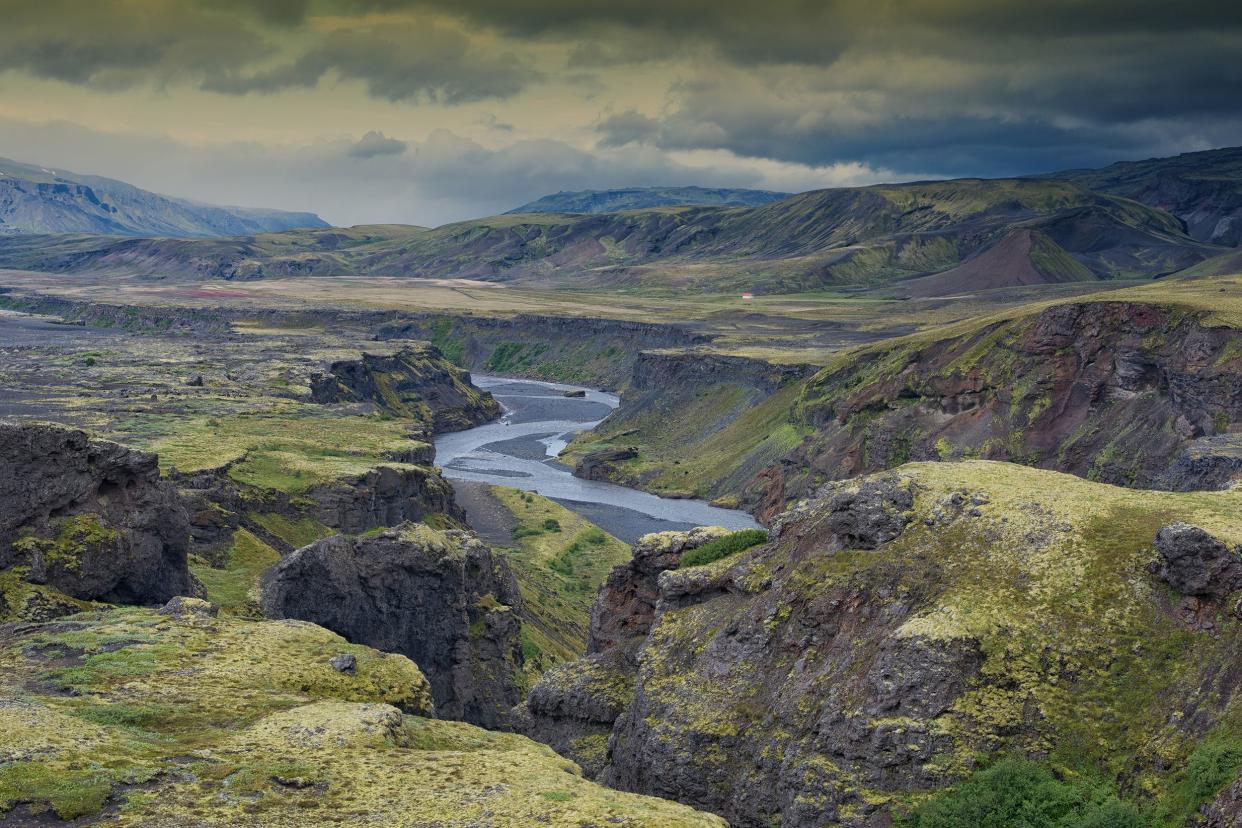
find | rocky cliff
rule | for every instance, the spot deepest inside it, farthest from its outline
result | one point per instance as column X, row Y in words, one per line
column 90, row 518
column 573, row 706
column 903, row 628
column 600, row 352
column 441, row 598
column 415, row 382
column 1130, row 393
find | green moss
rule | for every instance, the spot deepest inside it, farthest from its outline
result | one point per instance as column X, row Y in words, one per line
column 724, row 547
column 557, row 574
column 235, row 585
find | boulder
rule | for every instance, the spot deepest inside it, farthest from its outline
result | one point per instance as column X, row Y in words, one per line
column 1195, row 563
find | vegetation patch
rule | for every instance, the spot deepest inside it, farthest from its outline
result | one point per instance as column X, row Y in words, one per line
column 723, row 547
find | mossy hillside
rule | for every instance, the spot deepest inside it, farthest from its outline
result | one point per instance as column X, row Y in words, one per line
column 704, row 441
column 559, row 559
column 261, row 731
column 234, row 585
column 1083, row 660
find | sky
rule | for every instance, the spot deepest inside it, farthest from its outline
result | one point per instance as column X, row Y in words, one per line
column 432, row 111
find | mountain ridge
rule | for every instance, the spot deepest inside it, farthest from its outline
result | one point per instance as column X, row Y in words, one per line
column 36, row 199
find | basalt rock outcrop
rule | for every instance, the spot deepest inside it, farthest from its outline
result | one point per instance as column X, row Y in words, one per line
column 415, row 382
column 625, row 605
column 440, row 598
column 1127, row 393
column 897, row 630
column 90, row 518
column 383, row 496
column 573, row 706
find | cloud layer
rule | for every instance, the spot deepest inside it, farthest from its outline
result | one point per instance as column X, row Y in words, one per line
column 475, row 105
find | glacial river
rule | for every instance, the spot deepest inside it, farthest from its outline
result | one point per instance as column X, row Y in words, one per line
column 520, row 450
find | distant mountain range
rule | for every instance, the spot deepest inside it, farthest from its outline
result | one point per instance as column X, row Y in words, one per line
column 1203, row 189
column 645, row 198
column 43, row 200
column 1139, row 220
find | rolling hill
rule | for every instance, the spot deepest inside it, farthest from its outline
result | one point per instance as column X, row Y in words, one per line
column 42, row 200
column 642, row 198
column 923, row 238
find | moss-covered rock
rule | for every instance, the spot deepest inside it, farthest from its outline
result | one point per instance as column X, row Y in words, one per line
column 90, row 518
column 416, row 382
column 820, row 680
column 153, row 720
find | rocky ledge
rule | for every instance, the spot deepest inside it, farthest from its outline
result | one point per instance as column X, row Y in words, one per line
column 415, row 382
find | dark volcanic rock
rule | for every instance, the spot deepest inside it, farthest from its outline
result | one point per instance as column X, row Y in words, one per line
column 625, row 605
column 1195, row 563
column 873, row 515
column 89, row 517
column 573, row 706
column 415, row 382
column 598, row 465
column 440, row 598
column 1226, row 810
column 384, row 496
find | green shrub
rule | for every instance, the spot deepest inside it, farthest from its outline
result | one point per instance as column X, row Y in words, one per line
column 1210, row 767
column 1017, row 793
column 551, row 525
column 521, row 531
column 723, row 547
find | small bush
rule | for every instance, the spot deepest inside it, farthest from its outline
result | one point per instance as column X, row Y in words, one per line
column 551, row 525
column 521, row 531
column 1017, row 793
column 723, row 547
column 1210, row 767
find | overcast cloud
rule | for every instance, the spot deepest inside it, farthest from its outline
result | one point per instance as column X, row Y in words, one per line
column 430, row 111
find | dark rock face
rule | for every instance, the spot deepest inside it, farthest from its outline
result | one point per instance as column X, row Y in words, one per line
column 573, row 706
column 90, row 518
column 1226, row 810
column 599, row 465
column 415, row 382
column 1195, row 563
column 440, row 598
column 1123, row 392
column 875, row 514
column 384, row 496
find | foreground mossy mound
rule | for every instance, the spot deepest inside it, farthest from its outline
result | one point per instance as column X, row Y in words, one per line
column 151, row 720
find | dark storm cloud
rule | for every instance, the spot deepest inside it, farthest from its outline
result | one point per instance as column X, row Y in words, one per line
column 118, row 45
column 416, row 62
column 375, row 144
